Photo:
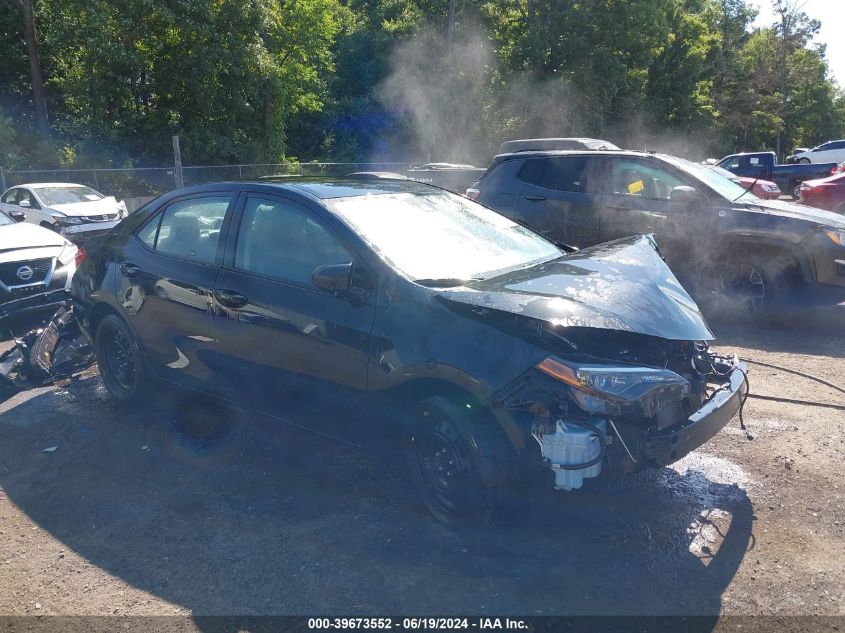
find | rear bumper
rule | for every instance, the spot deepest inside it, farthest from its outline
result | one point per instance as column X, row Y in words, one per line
column 661, row 448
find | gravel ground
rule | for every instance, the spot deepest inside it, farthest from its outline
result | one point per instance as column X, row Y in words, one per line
column 132, row 515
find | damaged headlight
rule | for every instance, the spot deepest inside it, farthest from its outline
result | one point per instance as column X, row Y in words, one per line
column 617, row 388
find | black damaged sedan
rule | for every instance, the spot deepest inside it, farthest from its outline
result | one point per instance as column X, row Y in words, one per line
column 345, row 307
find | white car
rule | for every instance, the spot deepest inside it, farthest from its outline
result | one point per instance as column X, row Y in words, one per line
column 36, row 267
column 830, row 152
column 75, row 211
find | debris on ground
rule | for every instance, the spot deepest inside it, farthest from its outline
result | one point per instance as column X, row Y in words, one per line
column 44, row 355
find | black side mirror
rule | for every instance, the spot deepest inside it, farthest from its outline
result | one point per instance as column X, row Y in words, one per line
column 685, row 195
column 17, row 216
column 334, row 278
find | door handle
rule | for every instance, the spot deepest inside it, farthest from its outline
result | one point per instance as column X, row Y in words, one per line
column 535, row 198
column 129, row 270
column 230, row 298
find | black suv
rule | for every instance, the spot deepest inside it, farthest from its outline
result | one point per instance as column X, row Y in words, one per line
column 344, row 307
column 711, row 231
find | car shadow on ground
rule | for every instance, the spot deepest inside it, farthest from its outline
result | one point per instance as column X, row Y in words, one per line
column 256, row 518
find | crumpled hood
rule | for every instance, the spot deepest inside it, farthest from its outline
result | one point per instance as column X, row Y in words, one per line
column 20, row 236
column 800, row 212
column 93, row 207
column 622, row 285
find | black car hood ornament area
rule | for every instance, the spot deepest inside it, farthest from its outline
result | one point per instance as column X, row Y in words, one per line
column 622, row 285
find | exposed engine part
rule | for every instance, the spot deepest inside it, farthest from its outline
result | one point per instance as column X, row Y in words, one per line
column 574, row 450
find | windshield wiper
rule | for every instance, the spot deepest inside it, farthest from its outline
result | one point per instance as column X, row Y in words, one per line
column 750, row 187
column 447, row 282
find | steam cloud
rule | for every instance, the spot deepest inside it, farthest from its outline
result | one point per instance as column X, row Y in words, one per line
column 459, row 107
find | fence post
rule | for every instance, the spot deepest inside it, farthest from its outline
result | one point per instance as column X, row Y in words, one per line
column 177, row 163
column 96, row 182
column 2, row 179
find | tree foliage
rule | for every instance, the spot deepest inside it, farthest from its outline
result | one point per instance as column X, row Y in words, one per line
column 265, row 80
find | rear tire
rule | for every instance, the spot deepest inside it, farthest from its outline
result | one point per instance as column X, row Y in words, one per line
column 459, row 462
column 803, row 161
column 121, row 366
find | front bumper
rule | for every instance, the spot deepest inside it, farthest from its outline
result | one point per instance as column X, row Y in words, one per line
column 661, row 448
column 79, row 233
column 43, row 302
column 829, row 261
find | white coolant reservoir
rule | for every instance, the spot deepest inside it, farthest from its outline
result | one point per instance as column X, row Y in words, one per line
column 570, row 445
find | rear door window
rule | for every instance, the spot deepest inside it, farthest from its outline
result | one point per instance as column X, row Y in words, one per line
column 532, row 171
column 282, row 241
column 188, row 229
column 579, row 174
column 11, row 197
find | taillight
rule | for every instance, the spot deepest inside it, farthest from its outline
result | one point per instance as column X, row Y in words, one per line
column 80, row 256
column 473, row 194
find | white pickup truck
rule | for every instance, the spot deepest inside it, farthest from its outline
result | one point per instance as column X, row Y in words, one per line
column 75, row 211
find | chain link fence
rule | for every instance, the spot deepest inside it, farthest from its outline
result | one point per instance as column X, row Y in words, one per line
column 144, row 182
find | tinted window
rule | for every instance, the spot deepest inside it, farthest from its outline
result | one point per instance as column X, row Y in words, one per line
column 532, row 171
column 279, row 240
column 572, row 173
column 837, row 145
column 10, row 197
column 631, row 177
column 189, row 229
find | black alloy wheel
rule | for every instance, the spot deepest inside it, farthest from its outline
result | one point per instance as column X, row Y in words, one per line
column 758, row 282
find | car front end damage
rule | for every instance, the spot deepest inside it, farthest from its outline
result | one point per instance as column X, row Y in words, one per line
column 79, row 229
column 593, row 417
column 621, row 377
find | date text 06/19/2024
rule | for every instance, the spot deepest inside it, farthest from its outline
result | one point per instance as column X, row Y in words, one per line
column 414, row 624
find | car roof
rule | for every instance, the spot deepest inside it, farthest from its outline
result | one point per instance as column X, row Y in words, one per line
column 44, row 185
column 539, row 144
column 571, row 152
column 323, row 188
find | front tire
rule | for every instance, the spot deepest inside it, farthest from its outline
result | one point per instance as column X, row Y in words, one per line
column 804, row 161
column 119, row 360
column 459, row 462
column 757, row 282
